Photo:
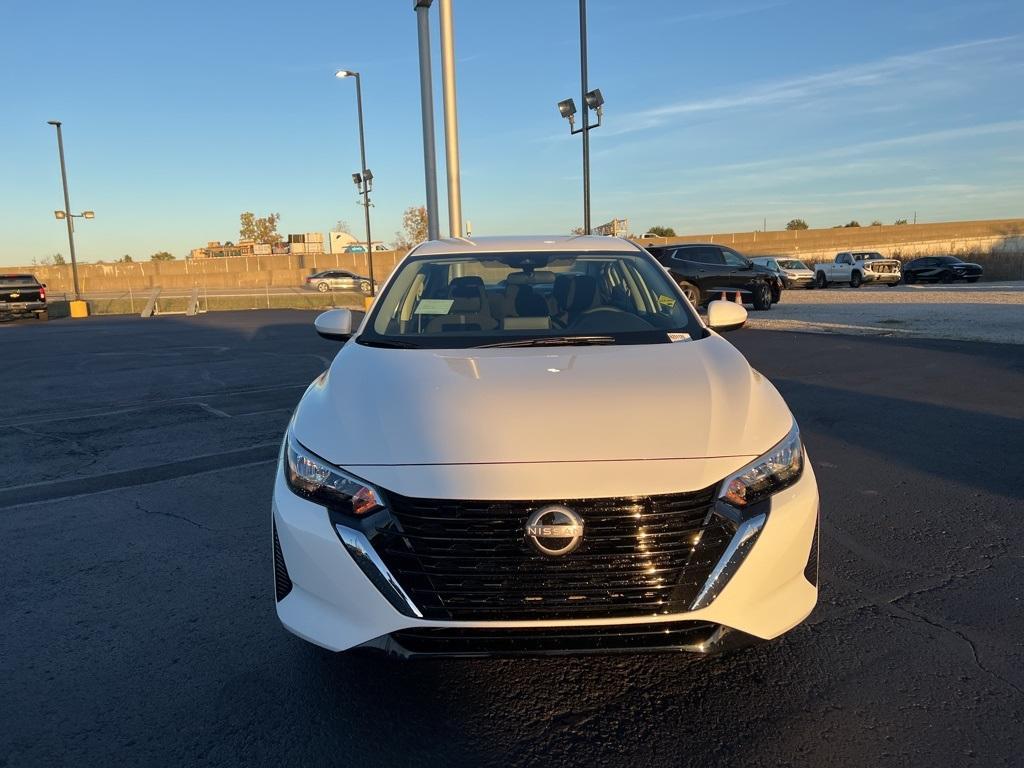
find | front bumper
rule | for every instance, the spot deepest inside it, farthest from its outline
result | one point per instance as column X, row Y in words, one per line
column 329, row 600
column 880, row 277
column 797, row 282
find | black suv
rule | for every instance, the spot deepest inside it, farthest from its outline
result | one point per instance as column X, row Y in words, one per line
column 22, row 295
column 941, row 269
column 704, row 271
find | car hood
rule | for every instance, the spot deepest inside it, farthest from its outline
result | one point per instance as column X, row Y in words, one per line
column 693, row 399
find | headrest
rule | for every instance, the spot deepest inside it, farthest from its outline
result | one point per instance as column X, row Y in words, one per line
column 470, row 286
column 529, row 303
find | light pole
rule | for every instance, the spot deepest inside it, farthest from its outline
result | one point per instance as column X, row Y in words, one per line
column 363, row 180
column 66, row 213
column 422, row 8
column 592, row 100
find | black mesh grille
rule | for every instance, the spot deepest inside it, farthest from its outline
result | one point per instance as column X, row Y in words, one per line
column 511, row 642
column 463, row 560
column 282, row 582
column 811, row 569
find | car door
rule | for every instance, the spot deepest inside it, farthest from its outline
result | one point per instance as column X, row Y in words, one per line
column 701, row 264
column 842, row 268
column 740, row 272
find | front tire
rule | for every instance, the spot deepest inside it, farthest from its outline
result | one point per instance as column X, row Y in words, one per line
column 820, row 280
column 323, row 287
column 691, row 292
column 762, row 297
column 856, row 280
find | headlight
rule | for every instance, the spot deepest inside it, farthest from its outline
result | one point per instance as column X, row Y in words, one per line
column 777, row 469
column 312, row 478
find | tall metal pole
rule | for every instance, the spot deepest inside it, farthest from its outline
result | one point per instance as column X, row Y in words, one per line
column 67, row 209
column 427, row 109
column 451, row 120
column 586, row 116
column 366, row 184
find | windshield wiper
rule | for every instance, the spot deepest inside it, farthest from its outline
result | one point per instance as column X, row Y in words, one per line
column 387, row 343
column 553, row 341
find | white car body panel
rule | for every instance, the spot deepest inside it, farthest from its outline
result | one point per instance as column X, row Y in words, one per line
column 700, row 399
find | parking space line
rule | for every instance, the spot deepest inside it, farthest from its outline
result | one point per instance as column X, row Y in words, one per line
column 83, row 486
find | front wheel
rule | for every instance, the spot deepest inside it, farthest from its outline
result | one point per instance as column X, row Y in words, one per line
column 323, row 287
column 855, row 280
column 762, row 297
column 691, row 292
column 820, row 280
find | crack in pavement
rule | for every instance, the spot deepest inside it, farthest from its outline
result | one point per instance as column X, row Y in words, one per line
column 897, row 612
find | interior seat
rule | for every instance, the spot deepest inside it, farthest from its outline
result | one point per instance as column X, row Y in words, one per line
column 470, row 310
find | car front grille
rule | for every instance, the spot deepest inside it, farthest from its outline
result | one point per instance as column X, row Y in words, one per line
column 282, row 581
column 470, row 560
column 632, row 638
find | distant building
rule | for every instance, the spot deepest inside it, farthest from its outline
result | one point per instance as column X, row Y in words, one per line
column 214, row 250
column 614, row 228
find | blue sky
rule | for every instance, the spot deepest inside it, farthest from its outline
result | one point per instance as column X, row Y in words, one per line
column 178, row 116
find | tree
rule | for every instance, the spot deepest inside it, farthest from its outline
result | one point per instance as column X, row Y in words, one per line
column 900, row 222
column 662, row 231
column 259, row 230
column 126, row 259
column 797, row 224
column 162, row 256
column 577, row 231
column 853, row 223
column 876, row 223
column 414, row 224
column 56, row 260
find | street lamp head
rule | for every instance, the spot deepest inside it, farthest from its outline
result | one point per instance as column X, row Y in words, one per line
column 595, row 99
column 53, row 122
column 357, row 179
column 567, row 108
column 367, row 175
column 89, row 214
column 59, row 214
column 342, row 73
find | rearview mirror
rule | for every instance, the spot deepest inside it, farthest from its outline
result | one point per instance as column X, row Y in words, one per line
column 726, row 316
column 334, row 324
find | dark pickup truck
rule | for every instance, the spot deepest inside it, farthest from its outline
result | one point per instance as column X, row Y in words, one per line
column 22, row 295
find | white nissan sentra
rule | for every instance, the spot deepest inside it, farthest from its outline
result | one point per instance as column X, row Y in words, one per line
column 535, row 445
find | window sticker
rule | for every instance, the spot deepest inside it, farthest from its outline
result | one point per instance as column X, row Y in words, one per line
column 666, row 301
column 434, row 306
column 674, row 337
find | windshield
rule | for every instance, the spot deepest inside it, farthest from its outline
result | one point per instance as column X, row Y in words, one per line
column 526, row 299
column 792, row 264
column 18, row 280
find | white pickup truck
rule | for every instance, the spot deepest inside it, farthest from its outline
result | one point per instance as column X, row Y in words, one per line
column 857, row 268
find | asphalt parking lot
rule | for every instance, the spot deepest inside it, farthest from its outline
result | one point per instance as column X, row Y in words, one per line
column 991, row 312
column 136, row 460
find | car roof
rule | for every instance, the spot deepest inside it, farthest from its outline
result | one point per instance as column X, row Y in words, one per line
column 526, row 243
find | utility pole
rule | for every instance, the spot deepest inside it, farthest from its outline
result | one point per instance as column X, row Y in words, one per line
column 451, row 120
column 422, row 8
column 586, row 117
column 67, row 208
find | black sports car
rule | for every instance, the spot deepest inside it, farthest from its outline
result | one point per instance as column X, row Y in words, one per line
column 940, row 269
column 704, row 271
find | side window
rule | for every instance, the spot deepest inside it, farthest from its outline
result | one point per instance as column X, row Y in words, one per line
column 844, row 258
column 701, row 255
column 773, row 265
column 733, row 259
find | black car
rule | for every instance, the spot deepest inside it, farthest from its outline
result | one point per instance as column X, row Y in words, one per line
column 22, row 296
column 705, row 271
column 940, row 269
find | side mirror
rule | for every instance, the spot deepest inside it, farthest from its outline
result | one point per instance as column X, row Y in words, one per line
column 726, row 316
column 335, row 324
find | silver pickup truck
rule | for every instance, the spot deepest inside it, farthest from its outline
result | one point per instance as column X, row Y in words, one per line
column 857, row 268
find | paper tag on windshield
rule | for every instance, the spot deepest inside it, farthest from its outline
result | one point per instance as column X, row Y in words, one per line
column 434, row 306
column 678, row 337
column 666, row 301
